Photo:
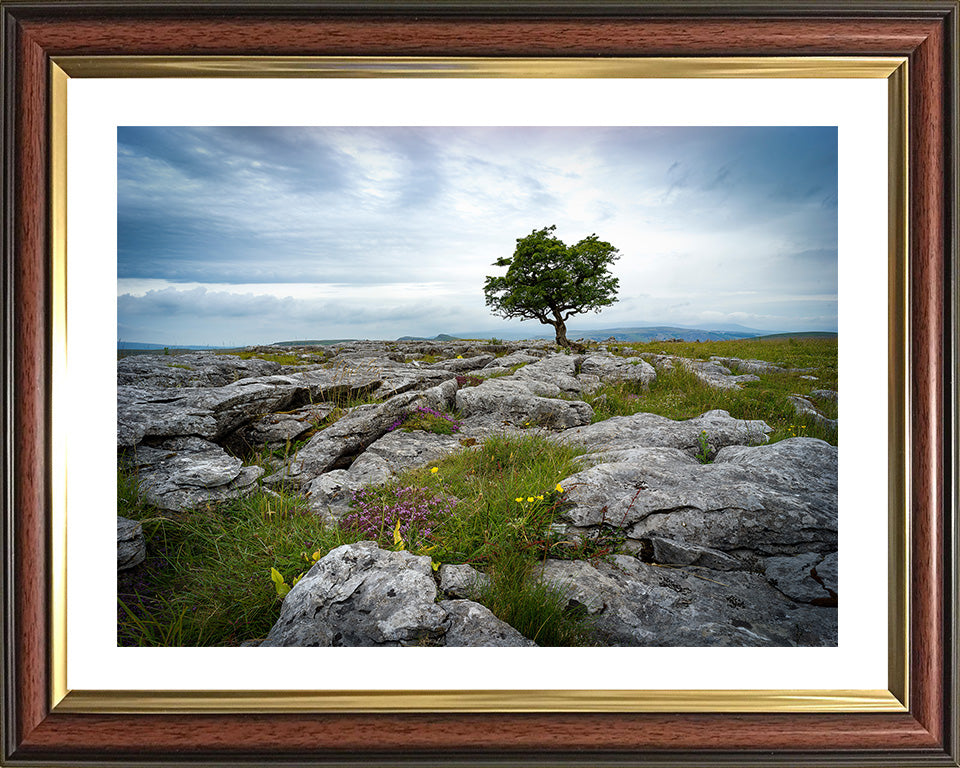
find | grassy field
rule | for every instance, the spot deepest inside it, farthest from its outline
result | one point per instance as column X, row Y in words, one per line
column 207, row 579
column 678, row 394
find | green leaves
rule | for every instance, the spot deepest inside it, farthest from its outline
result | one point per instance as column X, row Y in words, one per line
column 278, row 583
column 549, row 281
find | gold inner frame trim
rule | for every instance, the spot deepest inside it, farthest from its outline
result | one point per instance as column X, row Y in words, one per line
column 426, row 66
column 893, row 69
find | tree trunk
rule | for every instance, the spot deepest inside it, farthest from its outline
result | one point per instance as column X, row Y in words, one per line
column 561, row 328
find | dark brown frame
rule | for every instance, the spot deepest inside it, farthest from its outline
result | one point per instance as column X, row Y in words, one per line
column 925, row 32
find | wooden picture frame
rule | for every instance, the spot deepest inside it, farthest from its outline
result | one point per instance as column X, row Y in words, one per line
column 36, row 34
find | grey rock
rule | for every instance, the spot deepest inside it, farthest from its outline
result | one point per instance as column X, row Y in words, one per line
column 470, row 624
column 187, row 472
column 558, row 372
column 198, row 369
column 826, row 571
column 773, row 499
column 131, row 545
column 793, row 575
column 805, row 408
column 461, row 365
column 612, row 368
column 824, row 394
column 276, row 429
column 655, row 549
column 509, row 401
column 336, row 446
column 461, row 580
column 514, row 358
column 647, row 430
column 214, row 412
column 747, row 366
column 632, row 603
column 330, row 493
column 709, row 372
column 361, row 595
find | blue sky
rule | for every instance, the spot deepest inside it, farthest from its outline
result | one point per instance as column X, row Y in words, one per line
column 246, row 235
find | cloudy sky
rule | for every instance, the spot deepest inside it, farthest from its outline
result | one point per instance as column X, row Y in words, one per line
column 234, row 236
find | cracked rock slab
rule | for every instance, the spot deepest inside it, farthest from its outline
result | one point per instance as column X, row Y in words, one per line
column 773, row 499
column 188, row 472
column 648, row 430
column 631, row 603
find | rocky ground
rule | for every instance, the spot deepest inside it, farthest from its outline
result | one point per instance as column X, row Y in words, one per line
column 741, row 551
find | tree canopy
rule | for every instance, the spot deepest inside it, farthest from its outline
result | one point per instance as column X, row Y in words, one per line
column 549, row 281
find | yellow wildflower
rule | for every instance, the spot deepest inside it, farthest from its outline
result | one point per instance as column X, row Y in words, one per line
column 540, row 498
column 559, row 488
column 434, row 470
column 519, row 499
column 529, row 498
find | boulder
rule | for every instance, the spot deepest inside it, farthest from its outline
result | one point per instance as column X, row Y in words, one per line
column 470, row 624
column 747, row 366
column 558, row 372
column 131, row 545
column 519, row 403
column 361, row 595
column 632, row 603
column 824, row 394
column 648, row 430
column 611, row 368
column 188, row 472
column 805, row 408
column 463, row 364
column 461, row 580
column 763, row 501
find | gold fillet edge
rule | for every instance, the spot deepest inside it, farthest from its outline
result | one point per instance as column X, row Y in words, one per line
column 894, row 68
column 719, row 701
column 58, row 388
column 400, row 66
column 899, row 449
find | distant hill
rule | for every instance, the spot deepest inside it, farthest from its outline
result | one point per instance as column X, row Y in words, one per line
column 438, row 337
column 623, row 333
column 799, row 335
column 308, row 342
column 123, row 345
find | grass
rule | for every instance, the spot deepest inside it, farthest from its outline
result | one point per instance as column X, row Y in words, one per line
column 284, row 358
column 507, row 500
column 207, row 577
column 679, row 394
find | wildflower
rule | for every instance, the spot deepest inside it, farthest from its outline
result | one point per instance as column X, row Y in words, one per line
column 559, row 488
column 434, row 470
column 519, row 498
column 529, row 498
column 540, row 497
column 459, row 357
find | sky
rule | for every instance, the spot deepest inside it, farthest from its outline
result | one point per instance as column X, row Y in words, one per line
column 250, row 235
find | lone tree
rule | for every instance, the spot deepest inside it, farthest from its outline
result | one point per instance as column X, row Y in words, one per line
column 549, row 281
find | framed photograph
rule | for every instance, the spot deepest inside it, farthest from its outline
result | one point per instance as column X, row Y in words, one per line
column 100, row 101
